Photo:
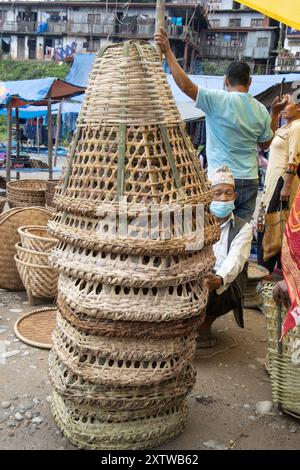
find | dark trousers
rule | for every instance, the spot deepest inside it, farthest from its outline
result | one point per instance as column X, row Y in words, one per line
column 246, row 198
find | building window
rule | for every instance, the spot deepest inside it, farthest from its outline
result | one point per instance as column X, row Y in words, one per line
column 262, row 42
column 236, row 6
column 214, row 23
column 257, row 22
column 94, row 18
column 235, row 22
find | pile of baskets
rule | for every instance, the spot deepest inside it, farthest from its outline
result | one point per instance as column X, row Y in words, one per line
column 26, row 193
column 283, row 356
column 49, row 193
column 32, row 261
column 131, row 289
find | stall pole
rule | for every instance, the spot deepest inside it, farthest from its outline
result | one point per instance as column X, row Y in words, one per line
column 160, row 20
column 17, row 134
column 9, row 139
column 49, row 117
column 58, row 124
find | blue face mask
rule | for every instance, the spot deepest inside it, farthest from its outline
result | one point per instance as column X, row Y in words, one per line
column 221, row 209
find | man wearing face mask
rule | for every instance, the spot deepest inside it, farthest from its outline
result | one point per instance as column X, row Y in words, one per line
column 229, row 277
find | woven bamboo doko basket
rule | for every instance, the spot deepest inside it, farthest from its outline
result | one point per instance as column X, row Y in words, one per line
column 135, row 244
column 284, row 357
column 131, row 156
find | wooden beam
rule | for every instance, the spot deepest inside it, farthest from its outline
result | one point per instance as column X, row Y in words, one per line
column 185, row 56
column 58, row 123
column 9, row 140
column 49, row 117
column 17, row 134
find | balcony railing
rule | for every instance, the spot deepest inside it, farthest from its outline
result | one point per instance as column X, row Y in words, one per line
column 139, row 28
column 288, row 64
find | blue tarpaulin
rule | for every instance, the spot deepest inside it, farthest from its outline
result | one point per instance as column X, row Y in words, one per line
column 30, row 112
column 80, row 70
column 30, row 90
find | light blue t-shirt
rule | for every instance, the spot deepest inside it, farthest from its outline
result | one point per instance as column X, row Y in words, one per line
column 235, row 123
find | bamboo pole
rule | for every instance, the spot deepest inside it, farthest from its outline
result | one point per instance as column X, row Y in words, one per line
column 9, row 139
column 17, row 134
column 50, row 141
column 159, row 20
column 58, row 123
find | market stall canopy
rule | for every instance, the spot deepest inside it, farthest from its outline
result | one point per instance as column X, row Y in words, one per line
column 38, row 91
column 285, row 11
column 30, row 112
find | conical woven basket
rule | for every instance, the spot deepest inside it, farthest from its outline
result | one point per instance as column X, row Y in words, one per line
column 97, row 325
column 93, row 428
column 123, row 362
column 113, row 302
column 131, row 155
column 10, row 221
column 131, row 270
column 155, row 397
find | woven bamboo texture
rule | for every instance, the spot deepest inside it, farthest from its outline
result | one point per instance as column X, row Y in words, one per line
column 36, row 238
column 133, row 303
column 97, row 234
column 91, row 428
column 36, row 328
column 284, row 359
column 122, row 361
column 135, row 234
column 2, row 203
column 10, row 221
column 129, row 329
column 131, row 270
column 31, row 256
column 40, row 281
column 26, row 193
column 78, row 388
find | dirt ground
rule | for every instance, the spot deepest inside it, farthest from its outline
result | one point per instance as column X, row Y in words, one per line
column 231, row 381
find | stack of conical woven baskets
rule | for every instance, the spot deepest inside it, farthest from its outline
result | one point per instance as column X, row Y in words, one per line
column 132, row 263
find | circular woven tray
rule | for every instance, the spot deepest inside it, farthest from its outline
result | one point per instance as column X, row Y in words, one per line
column 35, row 328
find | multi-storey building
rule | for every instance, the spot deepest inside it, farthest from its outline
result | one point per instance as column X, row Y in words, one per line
column 288, row 59
column 238, row 32
column 46, row 29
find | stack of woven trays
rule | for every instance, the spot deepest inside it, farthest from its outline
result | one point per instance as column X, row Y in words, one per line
column 283, row 356
column 132, row 289
column 26, row 193
column 32, row 261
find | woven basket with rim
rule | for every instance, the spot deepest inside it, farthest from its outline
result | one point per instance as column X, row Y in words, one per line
column 131, row 270
column 31, row 256
column 129, row 329
column 92, row 428
column 36, row 238
column 2, row 203
column 26, row 193
column 284, row 357
column 40, row 281
column 134, row 303
column 122, row 361
column 10, row 221
column 155, row 396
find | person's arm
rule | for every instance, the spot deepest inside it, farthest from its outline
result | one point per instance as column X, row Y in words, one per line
column 180, row 77
column 277, row 106
column 237, row 256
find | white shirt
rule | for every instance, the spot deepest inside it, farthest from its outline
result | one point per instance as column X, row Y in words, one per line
column 230, row 265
